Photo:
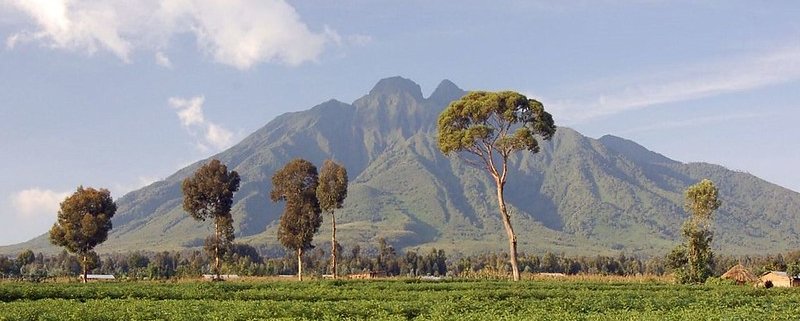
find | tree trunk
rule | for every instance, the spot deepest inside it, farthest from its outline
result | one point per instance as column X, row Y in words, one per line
column 84, row 269
column 216, row 250
column 333, row 246
column 512, row 238
column 300, row 264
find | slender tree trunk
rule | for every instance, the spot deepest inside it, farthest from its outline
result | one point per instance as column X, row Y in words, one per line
column 512, row 238
column 216, row 250
column 300, row 264
column 84, row 269
column 333, row 245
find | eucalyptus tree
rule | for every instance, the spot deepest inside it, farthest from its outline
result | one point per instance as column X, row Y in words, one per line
column 296, row 184
column 331, row 192
column 485, row 129
column 83, row 222
column 208, row 194
column 693, row 258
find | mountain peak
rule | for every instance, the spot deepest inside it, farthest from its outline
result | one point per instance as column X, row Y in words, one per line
column 396, row 85
column 446, row 92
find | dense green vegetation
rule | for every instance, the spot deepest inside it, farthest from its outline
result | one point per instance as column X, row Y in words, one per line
column 394, row 300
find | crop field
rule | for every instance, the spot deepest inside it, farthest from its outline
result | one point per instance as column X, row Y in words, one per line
column 394, row 300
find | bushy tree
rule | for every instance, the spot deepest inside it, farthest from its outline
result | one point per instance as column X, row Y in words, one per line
column 692, row 260
column 485, row 129
column 331, row 192
column 296, row 184
column 208, row 194
column 83, row 222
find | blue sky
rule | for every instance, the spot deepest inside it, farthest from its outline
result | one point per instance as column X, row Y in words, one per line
column 118, row 94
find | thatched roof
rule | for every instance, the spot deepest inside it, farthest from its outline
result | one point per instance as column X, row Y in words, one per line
column 739, row 274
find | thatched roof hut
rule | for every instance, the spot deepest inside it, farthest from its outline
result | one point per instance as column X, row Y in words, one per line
column 739, row 274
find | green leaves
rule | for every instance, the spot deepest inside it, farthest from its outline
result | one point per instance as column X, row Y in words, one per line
column 296, row 184
column 695, row 265
column 332, row 189
column 502, row 121
column 209, row 192
column 84, row 220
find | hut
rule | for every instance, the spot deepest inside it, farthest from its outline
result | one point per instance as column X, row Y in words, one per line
column 780, row 279
column 740, row 275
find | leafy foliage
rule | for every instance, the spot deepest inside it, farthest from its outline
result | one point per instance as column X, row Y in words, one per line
column 83, row 221
column 331, row 192
column 332, row 189
column 693, row 259
column 208, row 194
column 296, row 184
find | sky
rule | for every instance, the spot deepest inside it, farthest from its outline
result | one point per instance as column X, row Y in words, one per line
column 119, row 94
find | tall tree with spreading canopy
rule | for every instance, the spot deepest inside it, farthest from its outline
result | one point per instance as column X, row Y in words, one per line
column 296, row 184
column 331, row 192
column 692, row 260
column 83, row 222
column 485, row 129
column 208, row 194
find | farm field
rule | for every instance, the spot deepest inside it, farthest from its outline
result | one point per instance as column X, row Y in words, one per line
column 394, row 300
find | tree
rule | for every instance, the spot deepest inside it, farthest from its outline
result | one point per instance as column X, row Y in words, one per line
column 331, row 192
column 692, row 260
column 83, row 222
column 296, row 184
column 25, row 257
column 485, row 129
column 208, row 194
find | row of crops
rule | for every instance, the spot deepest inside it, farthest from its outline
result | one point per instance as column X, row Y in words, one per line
column 394, row 300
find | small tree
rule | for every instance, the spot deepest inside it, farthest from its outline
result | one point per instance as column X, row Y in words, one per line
column 692, row 260
column 83, row 222
column 296, row 184
column 485, row 129
column 331, row 192
column 208, row 194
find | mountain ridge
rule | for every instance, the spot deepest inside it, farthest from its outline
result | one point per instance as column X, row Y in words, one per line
column 579, row 195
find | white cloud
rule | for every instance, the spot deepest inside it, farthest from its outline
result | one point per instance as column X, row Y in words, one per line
column 218, row 137
column 36, row 202
column 162, row 60
column 694, row 82
column 240, row 33
column 210, row 135
column 190, row 111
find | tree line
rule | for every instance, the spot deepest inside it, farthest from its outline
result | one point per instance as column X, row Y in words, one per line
column 246, row 260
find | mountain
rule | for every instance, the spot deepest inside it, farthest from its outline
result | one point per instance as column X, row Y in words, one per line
column 577, row 196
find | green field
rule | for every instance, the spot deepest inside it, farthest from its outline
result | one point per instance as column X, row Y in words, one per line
column 394, row 300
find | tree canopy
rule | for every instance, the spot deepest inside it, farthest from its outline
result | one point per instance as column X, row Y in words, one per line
column 208, row 194
column 83, row 221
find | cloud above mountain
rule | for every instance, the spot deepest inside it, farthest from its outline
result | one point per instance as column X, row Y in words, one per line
column 239, row 33
column 684, row 83
column 209, row 135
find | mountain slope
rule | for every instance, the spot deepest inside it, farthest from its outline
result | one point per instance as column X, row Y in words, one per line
column 578, row 196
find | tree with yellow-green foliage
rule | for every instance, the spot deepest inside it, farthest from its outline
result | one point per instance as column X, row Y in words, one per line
column 485, row 129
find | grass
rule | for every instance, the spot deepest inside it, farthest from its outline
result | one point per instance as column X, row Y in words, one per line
column 405, row 299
